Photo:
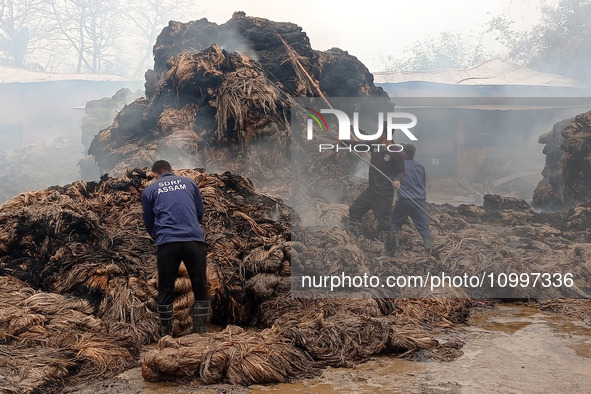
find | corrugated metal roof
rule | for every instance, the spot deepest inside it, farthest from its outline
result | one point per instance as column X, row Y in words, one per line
column 19, row 75
column 494, row 72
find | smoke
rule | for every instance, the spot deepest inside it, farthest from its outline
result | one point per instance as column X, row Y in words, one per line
column 472, row 146
column 469, row 146
column 42, row 125
column 233, row 41
column 50, row 160
column 226, row 36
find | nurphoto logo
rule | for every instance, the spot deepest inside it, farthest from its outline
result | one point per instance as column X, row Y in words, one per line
column 346, row 126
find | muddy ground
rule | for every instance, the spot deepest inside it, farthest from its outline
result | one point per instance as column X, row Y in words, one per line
column 509, row 348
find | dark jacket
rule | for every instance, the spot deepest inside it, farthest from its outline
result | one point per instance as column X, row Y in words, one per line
column 414, row 183
column 391, row 164
column 173, row 209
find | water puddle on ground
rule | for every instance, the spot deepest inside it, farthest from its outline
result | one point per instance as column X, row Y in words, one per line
column 508, row 349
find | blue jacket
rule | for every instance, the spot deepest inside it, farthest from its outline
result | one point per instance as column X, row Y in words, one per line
column 414, row 183
column 173, row 209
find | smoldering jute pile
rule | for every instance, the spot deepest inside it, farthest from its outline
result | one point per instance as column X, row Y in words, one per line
column 567, row 172
column 223, row 107
column 77, row 259
column 219, row 98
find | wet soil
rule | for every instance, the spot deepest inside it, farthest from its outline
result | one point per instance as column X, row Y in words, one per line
column 509, row 348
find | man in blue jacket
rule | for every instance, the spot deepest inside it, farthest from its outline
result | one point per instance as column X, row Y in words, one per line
column 411, row 198
column 173, row 210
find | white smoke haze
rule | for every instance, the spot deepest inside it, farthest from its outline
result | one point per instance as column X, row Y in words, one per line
column 470, row 146
column 40, row 144
column 40, row 132
column 476, row 146
column 128, row 30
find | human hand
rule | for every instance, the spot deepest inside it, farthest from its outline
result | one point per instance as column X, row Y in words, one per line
column 396, row 184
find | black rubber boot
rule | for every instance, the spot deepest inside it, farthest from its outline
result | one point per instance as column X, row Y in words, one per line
column 165, row 315
column 390, row 243
column 354, row 229
column 201, row 313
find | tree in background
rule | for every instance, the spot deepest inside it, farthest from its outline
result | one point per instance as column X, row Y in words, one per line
column 149, row 17
column 19, row 30
column 89, row 28
column 446, row 51
column 560, row 43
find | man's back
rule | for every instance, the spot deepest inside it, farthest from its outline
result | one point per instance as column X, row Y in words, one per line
column 173, row 209
column 414, row 183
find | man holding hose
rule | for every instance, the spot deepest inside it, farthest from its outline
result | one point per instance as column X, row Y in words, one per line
column 385, row 174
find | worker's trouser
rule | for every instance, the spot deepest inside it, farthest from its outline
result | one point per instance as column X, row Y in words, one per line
column 170, row 255
column 379, row 201
column 405, row 208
